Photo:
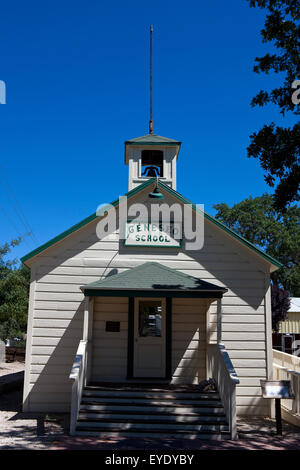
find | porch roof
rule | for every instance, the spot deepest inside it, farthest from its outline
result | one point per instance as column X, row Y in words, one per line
column 153, row 279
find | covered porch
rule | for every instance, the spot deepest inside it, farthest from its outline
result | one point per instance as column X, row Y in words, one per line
column 149, row 325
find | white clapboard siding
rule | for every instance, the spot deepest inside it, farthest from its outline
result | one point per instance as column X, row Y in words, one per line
column 120, row 262
column 82, row 258
column 64, row 387
column 238, row 285
column 239, row 327
column 107, row 365
column 232, row 318
column 54, row 341
column 56, row 323
column 188, row 340
column 48, row 350
column 247, row 354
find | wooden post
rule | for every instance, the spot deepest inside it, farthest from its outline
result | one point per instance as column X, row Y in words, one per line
column 219, row 321
column 278, row 417
column 86, row 319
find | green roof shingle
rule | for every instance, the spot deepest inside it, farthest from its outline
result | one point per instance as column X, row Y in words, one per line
column 151, row 277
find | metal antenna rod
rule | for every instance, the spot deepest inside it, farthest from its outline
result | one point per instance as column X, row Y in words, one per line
column 151, row 121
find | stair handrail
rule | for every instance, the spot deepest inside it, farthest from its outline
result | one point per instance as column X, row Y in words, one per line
column 78, row 375
column 222, row 371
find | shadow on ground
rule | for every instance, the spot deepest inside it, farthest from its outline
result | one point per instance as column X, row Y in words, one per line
column 20, row 430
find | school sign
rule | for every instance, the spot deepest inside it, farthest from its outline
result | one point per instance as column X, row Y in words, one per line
column 157, row 234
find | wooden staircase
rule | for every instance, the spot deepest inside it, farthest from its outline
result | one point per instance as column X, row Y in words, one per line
column 151, row 410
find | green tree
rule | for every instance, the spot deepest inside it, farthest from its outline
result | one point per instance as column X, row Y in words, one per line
column 277, row 233
column 278, row 148
column 14, row 292
column 280, row 304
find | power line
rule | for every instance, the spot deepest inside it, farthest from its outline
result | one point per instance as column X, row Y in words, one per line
column 14, row 226
column 18, row 208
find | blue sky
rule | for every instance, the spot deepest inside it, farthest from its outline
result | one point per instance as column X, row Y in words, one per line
column 77, row 78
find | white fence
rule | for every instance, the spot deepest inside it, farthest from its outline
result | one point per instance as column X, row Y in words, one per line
column 288, row 361
column 287, row 367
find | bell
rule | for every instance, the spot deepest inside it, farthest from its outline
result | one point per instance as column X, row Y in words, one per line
column 150, row 171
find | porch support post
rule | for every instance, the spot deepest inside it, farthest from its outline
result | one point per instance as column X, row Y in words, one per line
column 169, row 338
column 219, row 321
column 88, row 332
column 130, row 339
column 86, row 319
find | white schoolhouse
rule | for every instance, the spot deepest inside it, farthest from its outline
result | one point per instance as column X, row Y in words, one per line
column 126, row 327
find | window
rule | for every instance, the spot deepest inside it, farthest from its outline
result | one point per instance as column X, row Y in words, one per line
column 150, row 318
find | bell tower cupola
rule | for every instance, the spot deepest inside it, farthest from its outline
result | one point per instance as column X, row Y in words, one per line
column 151, row 156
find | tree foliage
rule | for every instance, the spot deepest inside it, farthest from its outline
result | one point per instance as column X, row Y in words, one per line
column 280, row 303
column 277, row 233
column 278, row 148
column 14, row 292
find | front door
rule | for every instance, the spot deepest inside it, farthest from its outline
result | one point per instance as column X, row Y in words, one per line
column 149, row 338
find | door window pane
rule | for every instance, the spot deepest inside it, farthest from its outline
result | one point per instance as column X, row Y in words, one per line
column 150, row 318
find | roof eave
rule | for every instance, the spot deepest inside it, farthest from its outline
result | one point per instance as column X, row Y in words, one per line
column 83, row 288
column 192, row 293
column 81, row 224
column 274, row 264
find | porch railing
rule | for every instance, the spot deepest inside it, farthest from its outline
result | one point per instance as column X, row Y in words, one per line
column 220, row 368
column 78, row 375
column 288, row 361
column 287, row 367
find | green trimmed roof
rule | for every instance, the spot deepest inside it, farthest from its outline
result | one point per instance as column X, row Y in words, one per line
column 153, row 139
column 152, row 277
column 135, row 191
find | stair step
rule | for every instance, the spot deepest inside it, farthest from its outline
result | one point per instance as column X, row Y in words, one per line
column 114, row 417
column 156, row 394
column 153, row 435
column 138, row 386
column 157, row 410
column 150, row 388
column 145, row 402
column 147, row 410
column 152, row 427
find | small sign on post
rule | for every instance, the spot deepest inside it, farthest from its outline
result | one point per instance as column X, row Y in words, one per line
column 277, row 389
